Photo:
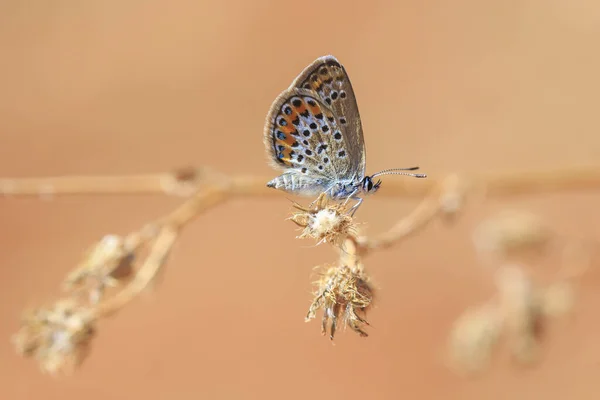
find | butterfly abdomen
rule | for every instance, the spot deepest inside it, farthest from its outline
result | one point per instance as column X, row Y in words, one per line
column 294, row 183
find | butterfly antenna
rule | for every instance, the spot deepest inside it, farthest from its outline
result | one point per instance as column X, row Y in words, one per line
column 401, row 169
column 397, row 171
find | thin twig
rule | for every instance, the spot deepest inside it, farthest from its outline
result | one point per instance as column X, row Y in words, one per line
column 434, row 203
column 154, row 261
column 409, row 225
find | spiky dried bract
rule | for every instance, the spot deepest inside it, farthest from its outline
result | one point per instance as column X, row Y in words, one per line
column 343, row 293
column 324, row 221
column 57, row 336
column 107, row 262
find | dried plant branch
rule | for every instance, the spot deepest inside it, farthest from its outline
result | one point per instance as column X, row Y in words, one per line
column 172, row 183
column 147, row 272
column 110, row 264
column 514, row 245
column 115, row 270
column 529, row 182
column 426, row 211
column 69, row 185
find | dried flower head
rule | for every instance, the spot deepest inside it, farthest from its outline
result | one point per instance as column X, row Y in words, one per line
column 473, row 337
column 343, row 292
column 324, row 222
column 556, row 299
column 57, row 336
column 104, row 265
column 519, row 313
column 511, row 233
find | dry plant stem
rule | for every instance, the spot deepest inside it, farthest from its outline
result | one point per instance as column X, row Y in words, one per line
column 500, row 184
column 419, row 218
column 518, row 183
column 447, row 198
column 69, row 185
column 200, row 202
column 169, row 227
column 144, row 276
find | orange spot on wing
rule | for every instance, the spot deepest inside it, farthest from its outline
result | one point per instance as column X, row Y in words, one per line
column 288, row 129
column 287, row 156
column 289, row 140
column 302, row 108
column 286, row 152
column 316, row 84
column 292, row 116
column 315, row 110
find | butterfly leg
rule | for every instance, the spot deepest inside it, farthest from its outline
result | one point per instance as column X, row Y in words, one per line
column 351, row 196
column 359, row 201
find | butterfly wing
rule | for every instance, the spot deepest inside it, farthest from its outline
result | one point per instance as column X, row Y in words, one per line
column 302, row 137
column 328, row 79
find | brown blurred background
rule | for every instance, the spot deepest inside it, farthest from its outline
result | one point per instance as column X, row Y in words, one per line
column 101, row 87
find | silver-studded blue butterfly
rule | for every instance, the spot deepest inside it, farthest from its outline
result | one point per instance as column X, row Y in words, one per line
column 313, row 133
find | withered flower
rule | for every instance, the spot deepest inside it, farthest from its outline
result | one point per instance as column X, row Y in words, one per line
column 519, row 313
column 57, row 336
column 324, row 222
column 105, row 264
column 473, row 337
column 343, row 293
column 511, row 233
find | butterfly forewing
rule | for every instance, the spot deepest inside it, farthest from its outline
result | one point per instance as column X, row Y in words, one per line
column 328, row 79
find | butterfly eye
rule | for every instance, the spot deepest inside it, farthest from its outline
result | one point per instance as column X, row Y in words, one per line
column 368, row 184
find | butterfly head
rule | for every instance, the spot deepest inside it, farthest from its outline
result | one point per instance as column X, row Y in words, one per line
column 368, row 185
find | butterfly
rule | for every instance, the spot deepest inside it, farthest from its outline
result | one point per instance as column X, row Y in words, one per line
column 313, row 133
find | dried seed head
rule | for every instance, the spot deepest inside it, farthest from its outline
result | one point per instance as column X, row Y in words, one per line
column 510, row 233
column 556, row 299
column 521, row 311
column 109, row 261
column 324, row 222
column 57, row 336
column 343, row 293
column 473, row 337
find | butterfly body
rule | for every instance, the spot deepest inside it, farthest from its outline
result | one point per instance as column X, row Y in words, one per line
column 336, row 189
column 313, row 133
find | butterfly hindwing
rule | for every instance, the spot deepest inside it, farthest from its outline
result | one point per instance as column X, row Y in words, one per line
column 302, row 135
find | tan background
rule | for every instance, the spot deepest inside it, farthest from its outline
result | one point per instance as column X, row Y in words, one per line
column 146, row 86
